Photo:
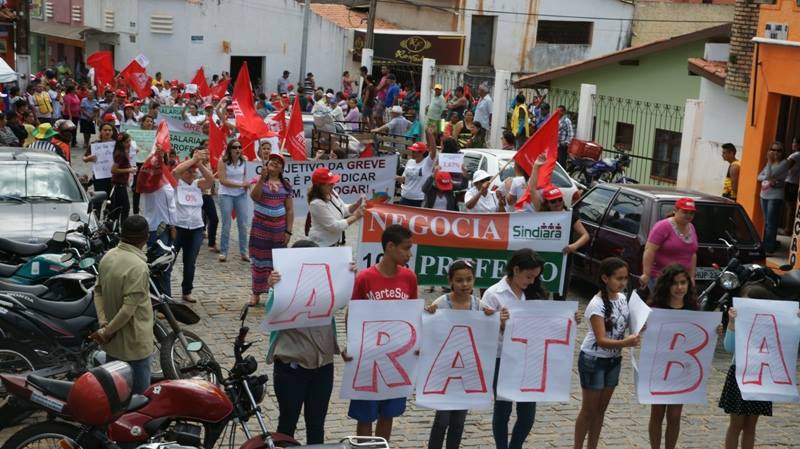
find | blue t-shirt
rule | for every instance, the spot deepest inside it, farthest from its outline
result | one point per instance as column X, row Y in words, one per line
column 391, row 94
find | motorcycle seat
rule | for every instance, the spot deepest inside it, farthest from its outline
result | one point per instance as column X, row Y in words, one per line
column 56, row 388
column 36, row 290
column 790, row 282
column 21, row 249
column 137, row 401
column 62, row 309
column 7, row 270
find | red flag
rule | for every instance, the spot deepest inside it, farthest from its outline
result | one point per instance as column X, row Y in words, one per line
column 155, row 173
column 367, row 151
column 202, row 86
column 217, row 140
column 248, row 122
column 295, row 141
column 138, row 78
column 249, row 145
column 221, row 89
column 280, row 119
column 544, row 140
column 103, row 64
column 162, row 137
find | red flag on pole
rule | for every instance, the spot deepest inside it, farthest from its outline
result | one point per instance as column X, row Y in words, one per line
column 155, row 172
column 544, row 140
column 248, row 122
column 103, row 64
column 217, row 140
column 221, row 89
column 202, row 85
column 280, row 119
column 138, row 79
column 294, row 140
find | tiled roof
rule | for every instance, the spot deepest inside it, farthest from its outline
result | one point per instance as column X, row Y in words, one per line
column 714, row 71
column 347, row 18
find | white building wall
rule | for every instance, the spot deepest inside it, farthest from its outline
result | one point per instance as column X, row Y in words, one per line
column 725, row 115
column 270, row 29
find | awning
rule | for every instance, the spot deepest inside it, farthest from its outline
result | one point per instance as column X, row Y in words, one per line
column 73, row 33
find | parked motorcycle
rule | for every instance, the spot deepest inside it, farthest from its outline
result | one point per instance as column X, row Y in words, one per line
column 589, row 171
column 173, row 414
column 748, row 281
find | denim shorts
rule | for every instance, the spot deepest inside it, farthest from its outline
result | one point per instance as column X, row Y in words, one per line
column 597, row 373
column 369, row 411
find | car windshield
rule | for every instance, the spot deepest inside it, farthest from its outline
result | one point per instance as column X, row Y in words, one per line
column 559, row 178
column 38, row 182
column 716, row 221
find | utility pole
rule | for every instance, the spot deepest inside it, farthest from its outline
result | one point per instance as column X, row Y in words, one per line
column 22, row 37
column 370, row 43
column 304, row 48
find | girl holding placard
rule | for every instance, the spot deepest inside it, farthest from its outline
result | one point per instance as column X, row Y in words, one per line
column 600, row 360
column 461, row 275
column 673, row 291
column 121, row 171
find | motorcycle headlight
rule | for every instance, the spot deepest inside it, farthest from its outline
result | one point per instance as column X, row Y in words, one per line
column 728, row 280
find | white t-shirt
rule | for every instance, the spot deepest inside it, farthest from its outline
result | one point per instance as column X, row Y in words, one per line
column 485, row 204
column 440, row 203
column 189, row 205
column 498, row 296
column 619, row 323
column 415, row 176
column 159, row 206
column 195, row 119
column 517, row 188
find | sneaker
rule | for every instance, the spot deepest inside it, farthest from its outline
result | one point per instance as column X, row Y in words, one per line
column 213, row 248
column 222, row 258
column 188, row 298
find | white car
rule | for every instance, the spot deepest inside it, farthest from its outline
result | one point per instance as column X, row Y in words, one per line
column 492, row 161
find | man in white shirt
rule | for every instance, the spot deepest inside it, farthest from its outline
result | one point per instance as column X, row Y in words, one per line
column 483, row 112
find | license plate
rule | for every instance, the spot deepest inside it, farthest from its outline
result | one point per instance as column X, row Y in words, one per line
column 706, row 273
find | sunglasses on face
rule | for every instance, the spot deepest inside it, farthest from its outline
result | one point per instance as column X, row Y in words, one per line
column 236, row 147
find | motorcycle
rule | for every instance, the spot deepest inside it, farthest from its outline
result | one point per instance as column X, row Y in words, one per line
column 173, row 414
column 748, row 281
column 50, row 337
column 589, row 171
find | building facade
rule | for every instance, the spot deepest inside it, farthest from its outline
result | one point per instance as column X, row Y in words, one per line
column 659, row 19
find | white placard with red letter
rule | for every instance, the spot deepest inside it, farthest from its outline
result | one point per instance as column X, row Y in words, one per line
column 675, row 360
column 767, row 335
column 538, row 344
column 382, row 339
column 451, row 162
column 315, row 282
column 456, row 363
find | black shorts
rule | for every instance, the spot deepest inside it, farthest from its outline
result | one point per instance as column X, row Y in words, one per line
column 87, row 126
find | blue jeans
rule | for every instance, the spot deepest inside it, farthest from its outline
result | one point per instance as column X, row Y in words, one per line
column 227, row 204
column 142, row 370
column 166, row 278
column 526, row 414
column 188, row 241
column 772, row 214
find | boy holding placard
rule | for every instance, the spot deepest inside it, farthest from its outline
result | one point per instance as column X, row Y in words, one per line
column 389, row 279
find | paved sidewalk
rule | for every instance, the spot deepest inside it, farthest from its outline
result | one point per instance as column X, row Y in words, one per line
column 222, row 288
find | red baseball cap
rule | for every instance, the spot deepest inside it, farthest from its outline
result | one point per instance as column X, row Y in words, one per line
column 551, row 193
column 323, row 175
column 685, row 204
column 109, row 117
column 443, row 181
column 121, row 93
column 277, row 156
column 418, row 147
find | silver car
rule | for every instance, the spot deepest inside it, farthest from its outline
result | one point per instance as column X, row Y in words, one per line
column 38, row 194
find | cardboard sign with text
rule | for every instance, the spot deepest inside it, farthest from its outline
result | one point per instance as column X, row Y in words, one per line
column 104, row 152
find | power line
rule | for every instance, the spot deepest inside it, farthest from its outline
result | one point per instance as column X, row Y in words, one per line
column 554, row 16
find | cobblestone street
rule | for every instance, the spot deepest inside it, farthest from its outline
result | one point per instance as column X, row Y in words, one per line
column 222, row 288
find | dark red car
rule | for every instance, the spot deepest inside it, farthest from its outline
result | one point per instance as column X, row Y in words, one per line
column 619, row 218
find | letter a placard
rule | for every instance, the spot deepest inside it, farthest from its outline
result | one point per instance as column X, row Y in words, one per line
column 767, row 336
column 675, row 360
column 382, row 338
column 538, row 343
column 315, row 282
column 456, row 363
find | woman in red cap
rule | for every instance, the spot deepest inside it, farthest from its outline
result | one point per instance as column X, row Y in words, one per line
column 439, row 192
column 417, row 170
column 330, row 216
column 273, row 218
column 671, row 240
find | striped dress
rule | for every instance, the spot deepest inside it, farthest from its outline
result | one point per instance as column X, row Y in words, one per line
column 267, row 232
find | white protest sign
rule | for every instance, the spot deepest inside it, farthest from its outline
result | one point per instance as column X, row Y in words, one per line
column 639, row 311
column 315, row 282
column 767, row 335
column 191, row 88
column 538, row 344
column 675, row 360
column 104, row 152
column 372, row 177
column 451, row 162
column 456, row 363
column 382, row 339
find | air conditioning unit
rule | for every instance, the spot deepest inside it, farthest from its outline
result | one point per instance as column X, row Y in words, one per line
column 778, row 31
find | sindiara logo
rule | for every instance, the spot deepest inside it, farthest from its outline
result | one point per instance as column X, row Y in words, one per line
column 545, row 231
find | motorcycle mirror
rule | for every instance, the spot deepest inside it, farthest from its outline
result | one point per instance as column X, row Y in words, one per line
column 60, row 236
column 194, row 346
column 98, row 198
column 243, row 313
column 74, row 217
column 86, row 263
column 66, row 257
